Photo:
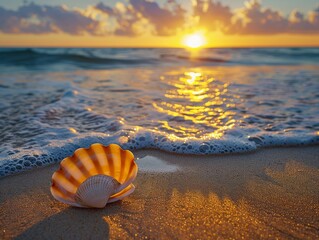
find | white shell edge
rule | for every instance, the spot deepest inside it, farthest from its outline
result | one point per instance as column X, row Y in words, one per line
column 95, row 191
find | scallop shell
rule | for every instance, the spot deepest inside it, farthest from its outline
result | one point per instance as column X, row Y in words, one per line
column 95, row 176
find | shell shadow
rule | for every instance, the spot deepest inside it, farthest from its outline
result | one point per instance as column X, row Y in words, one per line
column 72, row 223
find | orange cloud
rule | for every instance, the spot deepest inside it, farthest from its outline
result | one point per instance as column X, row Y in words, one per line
column 253, row 19
column 36, row 19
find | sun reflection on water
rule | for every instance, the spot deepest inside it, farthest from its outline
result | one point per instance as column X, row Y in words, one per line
column 195, row 102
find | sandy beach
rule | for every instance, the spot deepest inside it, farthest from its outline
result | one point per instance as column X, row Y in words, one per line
column 267, row 194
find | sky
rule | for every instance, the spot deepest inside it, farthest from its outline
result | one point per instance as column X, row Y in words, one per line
column 158, row 23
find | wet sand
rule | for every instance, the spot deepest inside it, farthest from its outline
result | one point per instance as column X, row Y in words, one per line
column 271, row 193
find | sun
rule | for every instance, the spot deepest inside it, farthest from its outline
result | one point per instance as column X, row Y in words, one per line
column 194, row 40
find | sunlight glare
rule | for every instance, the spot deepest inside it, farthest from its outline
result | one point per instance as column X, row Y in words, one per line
column 194, row 40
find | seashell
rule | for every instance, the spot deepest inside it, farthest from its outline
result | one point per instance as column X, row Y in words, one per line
column 95, row 176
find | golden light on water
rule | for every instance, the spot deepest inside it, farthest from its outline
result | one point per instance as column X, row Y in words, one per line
column 196, row 99
column 73, row 130
column 194, row 40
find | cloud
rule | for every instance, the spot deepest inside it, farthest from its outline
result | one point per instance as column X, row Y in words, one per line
column 212, row 15
column 144, row 17
column 126, row 20
column 254, row 19
column 36, row 19
column 300, row 23
column 106, row 9
column 165, row 20
column 138, row 17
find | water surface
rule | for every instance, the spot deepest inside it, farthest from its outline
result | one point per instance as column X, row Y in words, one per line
column 211, row 101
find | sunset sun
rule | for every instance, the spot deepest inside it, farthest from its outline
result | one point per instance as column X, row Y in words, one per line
column 194, row 40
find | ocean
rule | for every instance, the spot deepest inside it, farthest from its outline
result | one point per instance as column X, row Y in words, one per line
column 209, row 101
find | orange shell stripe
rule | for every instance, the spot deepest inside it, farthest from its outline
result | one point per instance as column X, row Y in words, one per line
column 109, row 160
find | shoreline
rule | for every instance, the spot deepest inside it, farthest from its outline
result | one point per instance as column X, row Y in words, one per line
column 152, row 151
column 267, row 193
